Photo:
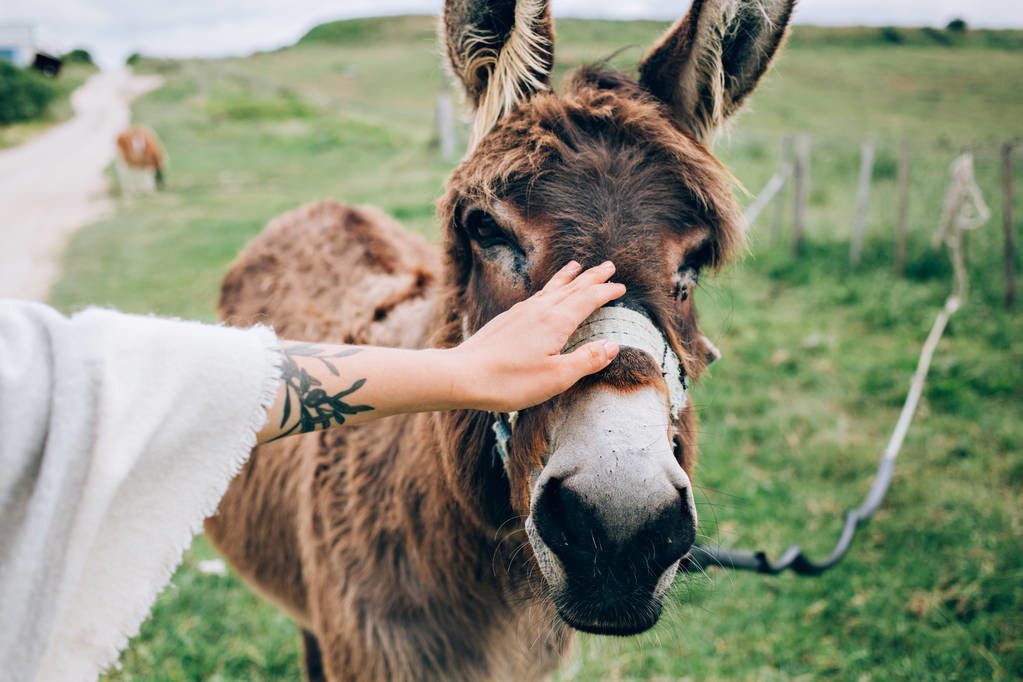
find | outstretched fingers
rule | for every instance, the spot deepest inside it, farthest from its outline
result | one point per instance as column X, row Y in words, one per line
column 569, row 300
column 564, row 284
column 587, row 292
column 582, row 302
column 563, row 277
column 520, row 349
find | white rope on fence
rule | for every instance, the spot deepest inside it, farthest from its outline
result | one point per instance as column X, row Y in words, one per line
column 959, row 215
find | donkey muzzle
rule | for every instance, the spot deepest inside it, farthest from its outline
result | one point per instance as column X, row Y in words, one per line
column 612, row 512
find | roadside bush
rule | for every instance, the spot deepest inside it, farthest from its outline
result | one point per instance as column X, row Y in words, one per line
column 24, row 95
column 78, row 56
column 133, row 59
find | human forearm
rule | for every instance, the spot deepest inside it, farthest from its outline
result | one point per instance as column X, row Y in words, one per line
column 513, row 362
column 325, row 385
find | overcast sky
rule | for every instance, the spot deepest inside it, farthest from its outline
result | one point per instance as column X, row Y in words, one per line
column 112, row 29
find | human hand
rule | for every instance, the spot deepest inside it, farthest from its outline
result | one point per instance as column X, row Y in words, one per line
column 515, row 360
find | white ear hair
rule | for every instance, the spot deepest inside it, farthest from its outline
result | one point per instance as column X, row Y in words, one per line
column 502, row 51
column 516, row 71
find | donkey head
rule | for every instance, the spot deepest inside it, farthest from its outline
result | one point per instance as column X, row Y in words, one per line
column 614, row 168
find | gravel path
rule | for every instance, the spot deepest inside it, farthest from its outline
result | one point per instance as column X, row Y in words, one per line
column 54, row 183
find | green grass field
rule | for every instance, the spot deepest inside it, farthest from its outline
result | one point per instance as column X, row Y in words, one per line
column 818, row 355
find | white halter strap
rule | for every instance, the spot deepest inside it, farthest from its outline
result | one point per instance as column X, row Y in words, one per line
column 626, row 327
column 631, row 328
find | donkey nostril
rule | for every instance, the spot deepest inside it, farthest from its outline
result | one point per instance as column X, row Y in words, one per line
column 547, row 511
column 669, row 536
column 561, row 518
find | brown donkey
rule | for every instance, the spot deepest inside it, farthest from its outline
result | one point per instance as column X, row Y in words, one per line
column 423, row 547
column 139, row 151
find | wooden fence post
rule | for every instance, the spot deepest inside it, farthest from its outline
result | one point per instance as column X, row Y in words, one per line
column 1010, row 226
column 903, row 210
column 446, row 125
column 784, row 160
column 862, row 200
column 802, row 181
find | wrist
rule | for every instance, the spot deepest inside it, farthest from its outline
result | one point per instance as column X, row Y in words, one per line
column 465, row 388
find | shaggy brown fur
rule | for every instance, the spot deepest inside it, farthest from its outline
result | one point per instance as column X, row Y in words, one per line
column 398, row 545
column 140, row 149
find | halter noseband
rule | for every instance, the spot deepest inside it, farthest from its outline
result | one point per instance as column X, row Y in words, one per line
column 626, row 327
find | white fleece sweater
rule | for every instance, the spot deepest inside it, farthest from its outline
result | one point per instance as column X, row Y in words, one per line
column 118, row 436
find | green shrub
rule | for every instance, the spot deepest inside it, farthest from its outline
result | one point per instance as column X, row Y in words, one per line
column 957, row 26
column 133, row 59
column 890, row 34
column 78, row 56
column 24, row 94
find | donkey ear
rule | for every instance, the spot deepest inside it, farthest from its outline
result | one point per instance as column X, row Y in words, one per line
column 502, row 51
column 708, row 62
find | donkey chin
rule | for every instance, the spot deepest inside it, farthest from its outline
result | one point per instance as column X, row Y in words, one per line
column 612, row 512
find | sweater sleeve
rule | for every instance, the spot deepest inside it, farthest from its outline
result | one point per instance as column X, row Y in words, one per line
column 118, row 435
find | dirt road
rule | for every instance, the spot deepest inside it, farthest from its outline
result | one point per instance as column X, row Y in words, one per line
column 54, row 183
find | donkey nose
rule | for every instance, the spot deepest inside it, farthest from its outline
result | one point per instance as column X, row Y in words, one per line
column 634, row 532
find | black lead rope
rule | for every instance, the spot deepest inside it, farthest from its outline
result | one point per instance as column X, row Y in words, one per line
column 794, row 558
column 954, row 223
column 703, row 556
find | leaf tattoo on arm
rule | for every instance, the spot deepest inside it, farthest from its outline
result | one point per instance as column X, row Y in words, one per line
column 304, row 395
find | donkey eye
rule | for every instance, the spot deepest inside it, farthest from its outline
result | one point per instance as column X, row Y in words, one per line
column 484, row 229
column 685, row 279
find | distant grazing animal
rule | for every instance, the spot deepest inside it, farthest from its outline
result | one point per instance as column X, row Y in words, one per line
column 139, row 153
column 405, row 548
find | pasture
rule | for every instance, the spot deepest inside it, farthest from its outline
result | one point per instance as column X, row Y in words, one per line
column 817, row 354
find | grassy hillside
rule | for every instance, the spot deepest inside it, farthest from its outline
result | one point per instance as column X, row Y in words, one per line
column 817, row 354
